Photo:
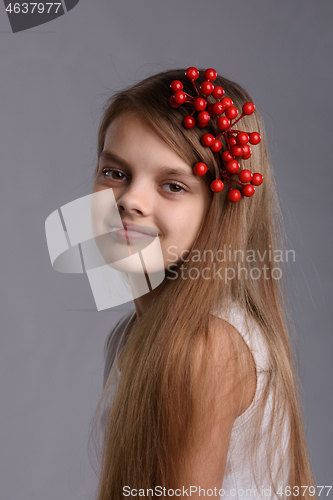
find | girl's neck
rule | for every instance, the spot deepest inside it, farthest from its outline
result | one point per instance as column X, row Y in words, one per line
column 144, row 302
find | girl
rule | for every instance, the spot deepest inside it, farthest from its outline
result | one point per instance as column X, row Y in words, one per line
column 200, row 397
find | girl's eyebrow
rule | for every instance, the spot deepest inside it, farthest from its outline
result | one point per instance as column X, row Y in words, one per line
column 107, row 155
column 177, row 171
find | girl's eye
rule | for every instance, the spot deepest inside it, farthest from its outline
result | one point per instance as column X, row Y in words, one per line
column 114, row 174
column 174, row 188
column 120, row 176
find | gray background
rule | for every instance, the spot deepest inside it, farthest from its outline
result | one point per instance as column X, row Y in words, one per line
column 53, row 82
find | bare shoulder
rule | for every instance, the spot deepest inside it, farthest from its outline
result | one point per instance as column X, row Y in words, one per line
column 229, row 368
column 223, row 386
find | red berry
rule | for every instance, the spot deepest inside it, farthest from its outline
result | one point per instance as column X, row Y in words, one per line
column 227, row 102
column 179, row 97
column 188, row 121
column 248, row 190
column 210, row 111
column 217, row 186
column 242, row 138
column 227, row 156
column 176, row 85
column 245, row 176
column 257, row 179
column 232, row 141
column 231, row 112
column 218, row 108
column 232, row 167
column 200, row 104
column 234, row 195
column 202, row 124
column 248, row 108
column 200, row 168
column 203, row 117
column 223, row 123
column 206, row 88
column 210, row 74
column 246, row 151
column 192, row 73
column 236, row 150
column 172, row 102
column 207, row 140
column 246, row 157
column 216, row 146
column 255, row 138
column 218, row 92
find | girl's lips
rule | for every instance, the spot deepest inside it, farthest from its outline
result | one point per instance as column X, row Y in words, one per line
column 133, row 232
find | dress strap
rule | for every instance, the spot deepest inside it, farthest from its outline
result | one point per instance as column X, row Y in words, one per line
column 113, row 341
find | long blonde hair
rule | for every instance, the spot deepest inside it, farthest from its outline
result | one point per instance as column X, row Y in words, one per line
column 149, row 419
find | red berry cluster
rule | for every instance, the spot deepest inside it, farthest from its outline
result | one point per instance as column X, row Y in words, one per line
column 236, row 140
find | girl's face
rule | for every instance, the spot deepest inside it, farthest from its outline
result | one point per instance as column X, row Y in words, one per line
column 152, row 185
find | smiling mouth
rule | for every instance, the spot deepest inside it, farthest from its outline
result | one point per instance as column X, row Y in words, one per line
column 133, row 232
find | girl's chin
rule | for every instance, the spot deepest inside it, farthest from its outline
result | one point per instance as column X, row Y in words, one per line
column 136, row 268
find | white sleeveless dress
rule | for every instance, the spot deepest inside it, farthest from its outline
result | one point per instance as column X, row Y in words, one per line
column 238, row 482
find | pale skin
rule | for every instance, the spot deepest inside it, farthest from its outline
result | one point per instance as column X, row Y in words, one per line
column 228, row 398
column 136, row 163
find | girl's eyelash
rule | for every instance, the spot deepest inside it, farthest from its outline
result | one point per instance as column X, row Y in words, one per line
column 174, row 184
column 105, row 170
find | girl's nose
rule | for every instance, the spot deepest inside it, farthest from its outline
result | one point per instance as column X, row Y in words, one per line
column 136, row 200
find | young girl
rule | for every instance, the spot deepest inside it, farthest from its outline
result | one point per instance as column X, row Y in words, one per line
column 200, row 397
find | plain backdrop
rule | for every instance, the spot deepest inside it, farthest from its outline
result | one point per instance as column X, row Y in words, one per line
column 54, row 80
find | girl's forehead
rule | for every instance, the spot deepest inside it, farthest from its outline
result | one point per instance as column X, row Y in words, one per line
column 130, row 118
column 132, row 137
column 129, row 126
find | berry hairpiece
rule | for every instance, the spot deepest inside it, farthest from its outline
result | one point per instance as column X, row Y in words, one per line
column 236, row 140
